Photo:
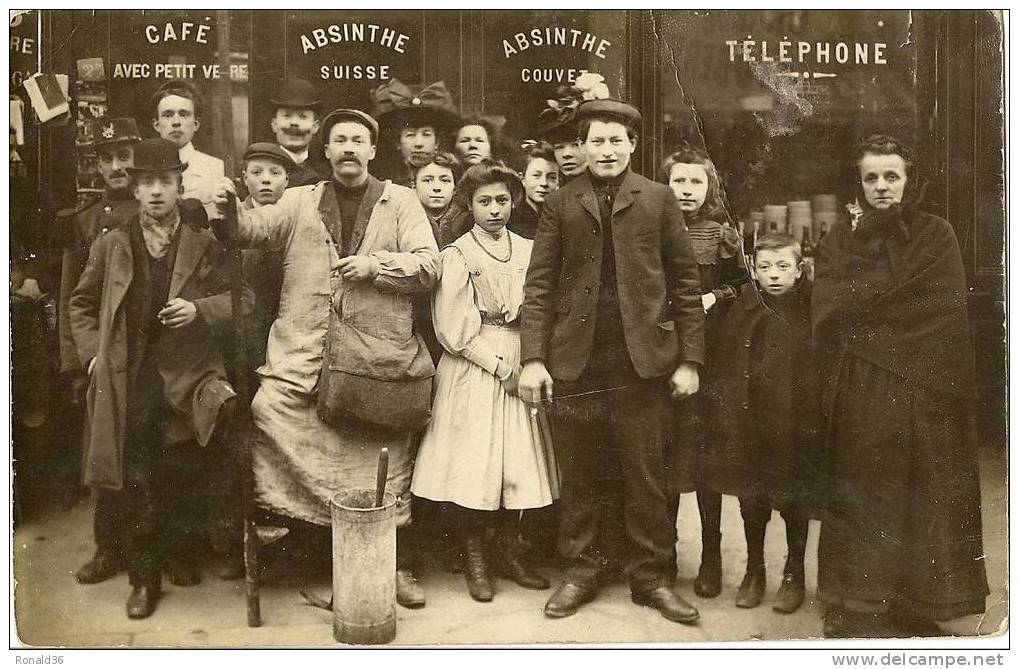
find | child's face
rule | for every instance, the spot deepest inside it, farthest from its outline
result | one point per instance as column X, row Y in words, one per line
column 266, row 180
column 689, row 181
column 571, row 158
column 776, row 271
column 492, row 206
column 540, row 178
column 434, row 187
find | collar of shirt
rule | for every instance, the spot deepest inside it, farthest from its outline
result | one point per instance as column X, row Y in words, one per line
column 298, row 158
column 187, row 152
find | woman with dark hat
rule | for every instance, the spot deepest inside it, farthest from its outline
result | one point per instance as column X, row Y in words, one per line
column 901, row 543
column 412, row 122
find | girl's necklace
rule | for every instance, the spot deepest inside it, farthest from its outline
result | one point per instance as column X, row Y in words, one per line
column 492, row 255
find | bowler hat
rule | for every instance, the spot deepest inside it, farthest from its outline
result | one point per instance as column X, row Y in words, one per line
column 296, row 93
column 156, row 155
column 354, row 115
column 110, row 130
column 272, row 152
column 617, row 110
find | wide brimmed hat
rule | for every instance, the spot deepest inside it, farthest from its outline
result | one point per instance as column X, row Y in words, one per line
column 112, row 130
column 557, row 125
column 355, row 115
column 617, row 110
column 296, row 93
column 398, row 105
column 156, row 155
column 270, row 151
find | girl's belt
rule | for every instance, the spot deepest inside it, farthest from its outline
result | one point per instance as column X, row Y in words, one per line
column 499, row 321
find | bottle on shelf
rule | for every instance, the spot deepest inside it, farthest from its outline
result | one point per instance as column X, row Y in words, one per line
column 807, row 249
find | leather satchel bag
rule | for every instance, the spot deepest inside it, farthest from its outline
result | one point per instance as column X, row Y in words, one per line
column 362, row 380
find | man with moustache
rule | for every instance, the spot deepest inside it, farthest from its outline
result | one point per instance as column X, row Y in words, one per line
column 176, row 116
column 145, row 317
column 295, row 122
column 113, row 140
column 369, row 245
column 612, row 320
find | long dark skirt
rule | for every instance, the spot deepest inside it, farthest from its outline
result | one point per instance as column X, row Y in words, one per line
column 902, row 526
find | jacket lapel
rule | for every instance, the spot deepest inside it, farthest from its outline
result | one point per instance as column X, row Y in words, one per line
column 189, row 253
column 587, row 198
column 122, row 267
column 329, row 210
column 364, row 212
column 624, row 198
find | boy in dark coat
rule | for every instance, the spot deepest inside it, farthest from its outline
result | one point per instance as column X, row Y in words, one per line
column 764, row 413
column 145, row 316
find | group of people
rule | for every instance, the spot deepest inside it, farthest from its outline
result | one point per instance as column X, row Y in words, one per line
column 526, row 327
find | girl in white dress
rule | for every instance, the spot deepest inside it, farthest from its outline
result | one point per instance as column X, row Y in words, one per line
column 482, row 451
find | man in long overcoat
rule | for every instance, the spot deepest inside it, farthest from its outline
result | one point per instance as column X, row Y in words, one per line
column 145, row 319
column 612, row 316
column 113, row 141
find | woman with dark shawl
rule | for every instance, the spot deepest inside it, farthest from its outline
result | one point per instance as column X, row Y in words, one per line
column 901, row 543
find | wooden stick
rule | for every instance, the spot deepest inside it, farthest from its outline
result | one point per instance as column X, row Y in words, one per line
column 380, row 477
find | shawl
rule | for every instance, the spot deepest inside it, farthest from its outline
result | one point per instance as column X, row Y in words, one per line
column 893, row 292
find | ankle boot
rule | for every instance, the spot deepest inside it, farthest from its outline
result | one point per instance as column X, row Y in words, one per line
column 479, row 582
column 708, row 583
column 751, row 590
column 791, row 593
column 508, row 559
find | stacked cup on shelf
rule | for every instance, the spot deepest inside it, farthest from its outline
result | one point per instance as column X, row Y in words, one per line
column 775, row 218
column 799, row 218
column 825, row 213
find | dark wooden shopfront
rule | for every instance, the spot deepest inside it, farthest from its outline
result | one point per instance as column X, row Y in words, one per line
column 778, row 129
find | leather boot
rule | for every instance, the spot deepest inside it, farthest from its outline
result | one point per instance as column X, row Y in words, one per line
column 508, row 557
column 790, row 594
column 479, row 582
column 409, row 592
column 708, row 583
column 751, row 590
column 142, row 601
column 104, row 565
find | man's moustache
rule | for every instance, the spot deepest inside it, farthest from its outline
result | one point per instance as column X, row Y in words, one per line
column 295, row 132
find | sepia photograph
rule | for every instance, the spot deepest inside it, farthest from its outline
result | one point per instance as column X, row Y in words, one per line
column 508, row 328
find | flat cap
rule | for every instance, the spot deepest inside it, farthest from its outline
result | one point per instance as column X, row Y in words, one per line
column 354, row 115
column 272, row 152
column 617, row 110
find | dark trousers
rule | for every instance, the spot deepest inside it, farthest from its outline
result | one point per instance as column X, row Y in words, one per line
column 612, row 448
column 108, row 520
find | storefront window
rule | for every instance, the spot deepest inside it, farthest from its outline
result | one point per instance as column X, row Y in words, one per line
column 524, row 56
column 779, row 98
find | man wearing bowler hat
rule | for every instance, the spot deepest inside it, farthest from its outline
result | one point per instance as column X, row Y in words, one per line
column 113, row 140
column 612, row 321
column 295, row 122
column 356, row 248
column 146, row 317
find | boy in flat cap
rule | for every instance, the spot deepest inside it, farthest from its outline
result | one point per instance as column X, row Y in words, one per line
column 113, row 140
column 612, row 319
column 295, row 122
column 145, row 319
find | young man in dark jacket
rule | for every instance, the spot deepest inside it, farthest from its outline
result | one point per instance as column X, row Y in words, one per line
column 612, row 317
column 145, row 317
